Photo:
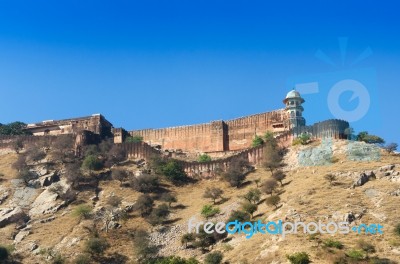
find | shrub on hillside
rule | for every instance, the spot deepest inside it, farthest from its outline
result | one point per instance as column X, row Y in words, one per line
column 253, row 196
column 143, row 249
column 96, row 246
column 330, row 243
column 237, row 171
column 119, row 175
column 257, row 141
column 168, row 198
column 91, row 162
column 299, row 258
column 209, row 211
column 269, row 186
column 134, row 139
column 249, row 208
column 159, row 214
column 144, row 204
column 82, row 259
column 214, row 258
column 273, row 200
column 82, row 211
column 145, row 183
column 174, row 172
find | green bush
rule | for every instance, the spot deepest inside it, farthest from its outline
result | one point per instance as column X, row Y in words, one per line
column 174, row 172
column 330, row 243
column 214, row 258
column 257, row 141
column 240, row 216
column 204, row 158
column 82, row 259
column 299, row 258
column 82, row 211
column 355, row 254
column 96, row 246
column 209, row 211
column 134, row 139
column 91, row 162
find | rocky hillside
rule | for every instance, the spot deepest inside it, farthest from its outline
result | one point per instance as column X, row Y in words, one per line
column 50, row 219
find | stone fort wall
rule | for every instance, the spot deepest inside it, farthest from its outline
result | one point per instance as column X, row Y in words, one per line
column 236, row 134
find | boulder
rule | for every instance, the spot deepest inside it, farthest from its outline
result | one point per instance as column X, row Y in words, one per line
column 45, row 203
column 11, row 215
column 387, row 167
column 362, row 179
column 20, row 236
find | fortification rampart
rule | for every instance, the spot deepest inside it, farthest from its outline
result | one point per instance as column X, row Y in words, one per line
column 236, row 134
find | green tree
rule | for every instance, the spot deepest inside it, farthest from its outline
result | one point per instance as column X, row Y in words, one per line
column 239, row 215
column 213, row 193
column 187, row 238
column 257, row 141
column 174, row 172
column 91, row 162
column 82, row 211
column 14, row 128
column 270, row 140
column 367, row 138
column 249, row 208
column 269, row 186
column 279, row 176
column 96, row 246
column 273, row 200
column 204, row 158
column 253, row 196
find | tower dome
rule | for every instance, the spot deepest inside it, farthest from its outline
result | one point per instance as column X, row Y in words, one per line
column 294, row 109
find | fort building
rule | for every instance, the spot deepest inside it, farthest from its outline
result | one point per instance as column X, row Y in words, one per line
column 215, row 136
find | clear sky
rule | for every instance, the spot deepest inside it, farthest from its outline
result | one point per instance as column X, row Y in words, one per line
column 149, row 64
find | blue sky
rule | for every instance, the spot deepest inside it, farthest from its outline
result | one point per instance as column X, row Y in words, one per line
column 149, row 64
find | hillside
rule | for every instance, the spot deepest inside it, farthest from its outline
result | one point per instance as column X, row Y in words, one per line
column 54, row 230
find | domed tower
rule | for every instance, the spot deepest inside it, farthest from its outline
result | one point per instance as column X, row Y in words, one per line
column 294, row 109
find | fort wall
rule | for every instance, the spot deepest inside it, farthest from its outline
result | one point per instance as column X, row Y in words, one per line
column 236, row 134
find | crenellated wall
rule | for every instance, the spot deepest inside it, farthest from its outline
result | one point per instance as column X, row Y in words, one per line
column 236, row 134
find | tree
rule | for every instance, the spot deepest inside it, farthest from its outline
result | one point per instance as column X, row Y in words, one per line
column 73, row 174
column 115, row 155
column 257, row 141
column 270, row 140
column 187, row 238
column 330, row 178
column 213, row 193
column 249, row 208
column 390, row 148
column 204, row 158
column 269, row 186
column 18, row 145
column 63, row 148
column 145, row 183
column 272, row 158
column 14, row 128
column 169, row 198
column 240, row 216
column 119, row 175
column 174, row 172
column 159, row 214
column 279, row 175
column 253, row 196
column 214, row 258
column 273, row 200
column 134, row 139
column 237, row 171
column 91, row 162
column 143, row 249
column 304, row 138
column 145, row 204
column 371, row 139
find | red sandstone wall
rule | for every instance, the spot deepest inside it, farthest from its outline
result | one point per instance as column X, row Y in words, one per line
column 242, row 131
column 235, row 134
